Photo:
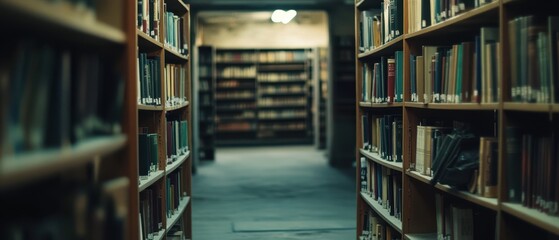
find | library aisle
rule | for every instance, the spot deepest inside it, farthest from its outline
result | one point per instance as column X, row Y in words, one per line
column 286, row 192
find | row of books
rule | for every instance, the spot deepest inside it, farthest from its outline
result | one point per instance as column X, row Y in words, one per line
column 175, row 84
column 236, row 126
column 236, row 94
column 148, row 17
column 148, row 151
column 268, row 102
column 384, row 81
column 151, row 213
column 282, row 126
column 175, row 192
column 236, row 105
column 282, row 89
column 425, row 13
column 275, row 77
column 531, row 169
column 177, row 139
column 236, row 116
column 240, row 72
column 465, row 72
column 175, row 32
column 533, row 58
column 384, row 185
column 149, row 79
column 381, row 25
column 383, row 135
column 374, row 228
column 271, row 114
column 205, row 71
column 52, row 97
column 281, row 56
column 235, row 57
column 234, row 83
column 66, row 210
column 459, row 221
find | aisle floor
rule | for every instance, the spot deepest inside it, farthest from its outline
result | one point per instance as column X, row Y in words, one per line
column 272, row 193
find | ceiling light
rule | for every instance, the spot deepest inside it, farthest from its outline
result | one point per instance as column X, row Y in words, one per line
column 283, row 16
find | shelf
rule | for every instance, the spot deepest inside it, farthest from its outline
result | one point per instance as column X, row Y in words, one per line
column 173, row 219
column 282, row 63
column 421, row 236
column 237, row 78
column 453, row 106
column 284, row 94
column 383, row 213
column 283, row 130
column 283, row 119
column 283, row 106
column 30, row 166
column 159, row 235
column 555, row 108
column 146, row 42
column 236, row 88
column 175, row 164
column 476, row 17
column 221, row 120
column 235, row 99
column 528, row 107
column 490, row 203
column 235, row 63
column 376, row 158
column 281, row 68
column 284, row 81
column 533, row 216
column 152, row 178
column 57, row 21
column 176, row 107
column 381, row 105
column 236, row 109
column 149, row 107
column 386, row 49
column 177, row 7
column 236, row 131
column 174, row 56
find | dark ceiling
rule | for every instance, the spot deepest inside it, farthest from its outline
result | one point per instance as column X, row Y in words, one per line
column 267, row 4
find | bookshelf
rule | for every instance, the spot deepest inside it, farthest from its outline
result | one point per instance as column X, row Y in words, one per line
column 263, row 95
column 321, row 93
column 67, row 153
column 471, row 72
column 206, row 102
column 161, row 83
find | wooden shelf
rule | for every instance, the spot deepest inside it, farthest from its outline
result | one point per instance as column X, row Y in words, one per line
column 246, row 119
column 31, row 166
column 490, row 203
column 237, row 78
column 177, row 107
column 386, row 49
column 376, row 158
column 533, row 216
column 236, row 109
column 383, row 213
column 282, row 106
column 555, row 108
column 421, row 236
column 58, row 21
column 159, row 235
column 527, row 107
column 173, row 219
column 152, row 178
column 283, row 119
column 178, row 162
column 454, row 106
column 282, row 62
column 284, row 81
column 235, row 63
column 236, row 88
column 174, row 56
column 235, row 98
column 482, row 15
column 236, row 131
column 150, row 107
column 147, row 43
column 284, row 94
column 380, row 105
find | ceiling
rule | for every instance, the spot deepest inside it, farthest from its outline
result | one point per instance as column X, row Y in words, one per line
column 232, row 17
column 266, row 4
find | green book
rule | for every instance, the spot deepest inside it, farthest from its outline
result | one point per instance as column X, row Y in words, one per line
column 154, row 150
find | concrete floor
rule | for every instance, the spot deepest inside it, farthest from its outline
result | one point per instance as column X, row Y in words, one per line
column 286, row 192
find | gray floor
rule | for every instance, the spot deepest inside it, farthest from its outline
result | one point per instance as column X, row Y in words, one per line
column 272, row 193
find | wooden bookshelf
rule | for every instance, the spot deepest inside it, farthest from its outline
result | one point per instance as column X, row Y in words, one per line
column 383, row 213
column 280, row 80
column 511, row 112
column 205, row 130
column 170, row 118
column 49, row 146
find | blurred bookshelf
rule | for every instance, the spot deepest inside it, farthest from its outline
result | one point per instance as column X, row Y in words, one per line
column 206, row 102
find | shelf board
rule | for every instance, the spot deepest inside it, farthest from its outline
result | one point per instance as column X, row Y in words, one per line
column 236, row 88
column 376, row 158
column 421, row 236
column 174, row 56
column 527, row 107
column 58, row 21
column 456, row 24
column 221, row 120
column 176, row 107
column 152, row 178
column 283, row 130
column 236, row 131
column 282, row 106
column 393, row 221
column 235, row 98
column 555, row 108
column 282, row 63
column 453, row 106
column 284, row 81
column 533, row 216
column 381, row 105
column 174, row 165
column 283, row 119
column 146, row 42
column 386, row 49
column 237, row 78
column 235, row 109
column 159, row 235
column 173, row 219
column 176, row 6
column 149, row 107
column 30, row 166
column 235, row 63
column 284, row 94
column 490, row 203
